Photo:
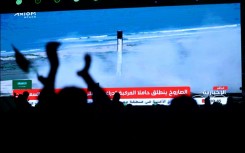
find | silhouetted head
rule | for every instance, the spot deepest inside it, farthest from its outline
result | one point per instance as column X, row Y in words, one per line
column 116, row 97
column 184, row 104
column 25, row 94
column 22, row 102
column 71, row 99
column 217, row 106
column 207, row 101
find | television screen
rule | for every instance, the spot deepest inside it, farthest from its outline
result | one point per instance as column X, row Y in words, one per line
column 148, row 54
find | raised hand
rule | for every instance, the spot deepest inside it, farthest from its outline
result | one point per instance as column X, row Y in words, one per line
column 87, row 59
column 51, row 50
column 99, row 96
column 42, row 79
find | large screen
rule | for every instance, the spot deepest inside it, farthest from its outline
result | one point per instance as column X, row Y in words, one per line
column 192, row 49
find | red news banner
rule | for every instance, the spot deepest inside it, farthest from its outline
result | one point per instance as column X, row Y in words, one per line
column 220, row 88
column 126, row 93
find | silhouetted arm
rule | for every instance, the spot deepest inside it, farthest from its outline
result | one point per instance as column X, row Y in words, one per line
column 47, row 94
column 99, row 96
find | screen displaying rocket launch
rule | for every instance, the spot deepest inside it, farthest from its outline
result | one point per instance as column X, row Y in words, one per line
column 144, row 52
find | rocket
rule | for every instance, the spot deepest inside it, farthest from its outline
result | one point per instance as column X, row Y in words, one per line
column 119, row 52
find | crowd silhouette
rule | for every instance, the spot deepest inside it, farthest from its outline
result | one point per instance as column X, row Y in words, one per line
column 73, row 100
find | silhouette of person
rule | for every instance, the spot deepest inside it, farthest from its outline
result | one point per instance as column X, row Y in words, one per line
column 47, row 95
column 183, row 104
column 116, row 99
column 22, row 103
column 100, row 98
column 72, row 100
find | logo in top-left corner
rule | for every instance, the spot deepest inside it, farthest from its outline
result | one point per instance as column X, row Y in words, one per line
column 26, row 15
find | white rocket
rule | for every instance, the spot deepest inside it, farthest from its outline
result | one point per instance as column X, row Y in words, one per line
column 119, row 52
